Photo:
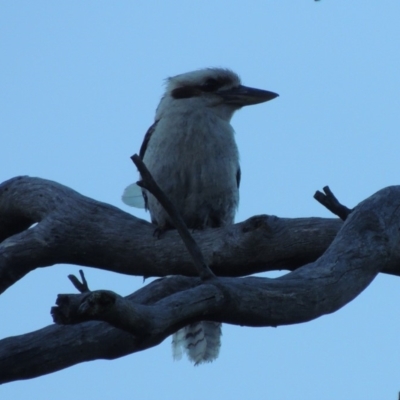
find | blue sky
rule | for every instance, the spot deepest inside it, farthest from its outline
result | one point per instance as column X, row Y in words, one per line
column 79, row 83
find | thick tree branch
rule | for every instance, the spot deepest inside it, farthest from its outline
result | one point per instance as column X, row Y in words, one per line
column 367, row 243
column 57, row 347
column 74, row 229
column 373, row 237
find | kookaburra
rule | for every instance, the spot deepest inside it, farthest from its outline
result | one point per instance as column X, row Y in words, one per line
column 190, row 151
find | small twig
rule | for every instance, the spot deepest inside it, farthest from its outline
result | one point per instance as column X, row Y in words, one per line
column 149, row 184
column 83, row 286
column 329, row 201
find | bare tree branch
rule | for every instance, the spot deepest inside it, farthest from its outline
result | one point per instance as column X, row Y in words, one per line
column 83, row 286
column 367, row 243
column 74, row 229
column 329, row 200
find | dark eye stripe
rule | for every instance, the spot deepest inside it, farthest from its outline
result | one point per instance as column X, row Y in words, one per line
column 185, row 92
column 210, row 85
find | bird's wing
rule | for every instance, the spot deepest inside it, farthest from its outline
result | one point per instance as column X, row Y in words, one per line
column 238, row 176
column 134, row 195
column 146, row 139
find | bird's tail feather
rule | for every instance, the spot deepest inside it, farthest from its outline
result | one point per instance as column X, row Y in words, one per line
column 201, row 341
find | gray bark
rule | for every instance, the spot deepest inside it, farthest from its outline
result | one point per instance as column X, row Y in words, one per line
column 331, row 264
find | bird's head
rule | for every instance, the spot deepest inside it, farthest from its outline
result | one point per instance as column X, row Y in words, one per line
column 216, row 88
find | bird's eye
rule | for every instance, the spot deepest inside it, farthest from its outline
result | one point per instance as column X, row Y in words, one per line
column 210, row 85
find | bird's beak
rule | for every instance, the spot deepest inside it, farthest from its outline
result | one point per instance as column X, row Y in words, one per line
column 246, row 96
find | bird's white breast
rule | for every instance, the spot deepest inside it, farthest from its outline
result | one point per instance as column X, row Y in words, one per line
column 194, row 158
